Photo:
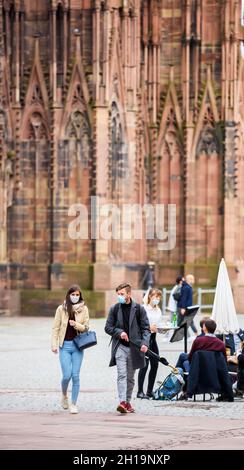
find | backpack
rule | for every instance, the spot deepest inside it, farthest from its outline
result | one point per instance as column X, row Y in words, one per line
column 177, row 294
column 171, row 386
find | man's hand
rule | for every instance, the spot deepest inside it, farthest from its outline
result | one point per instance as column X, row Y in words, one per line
column 153, row 328
column 182, row 311
column 144, row 348
column 124, row 336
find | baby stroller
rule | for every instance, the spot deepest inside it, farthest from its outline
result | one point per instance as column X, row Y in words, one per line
column 172, row 384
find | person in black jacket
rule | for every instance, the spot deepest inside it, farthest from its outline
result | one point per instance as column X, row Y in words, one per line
column 129, row 327
column 240, row 371
column 186, row 300
column 237, row 363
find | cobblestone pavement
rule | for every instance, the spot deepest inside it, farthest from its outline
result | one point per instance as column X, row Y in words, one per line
column 30, row 375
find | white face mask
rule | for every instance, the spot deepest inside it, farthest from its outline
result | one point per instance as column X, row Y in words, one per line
column 155, row 301
column 74, row 298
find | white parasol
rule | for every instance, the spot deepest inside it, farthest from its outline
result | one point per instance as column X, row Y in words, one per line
column 224, row 312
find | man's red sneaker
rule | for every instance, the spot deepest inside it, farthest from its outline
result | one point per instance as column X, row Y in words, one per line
column 129, row 408
column 122, row 407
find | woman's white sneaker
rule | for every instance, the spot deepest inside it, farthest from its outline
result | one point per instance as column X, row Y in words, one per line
column 73, row 409
column 64, row 402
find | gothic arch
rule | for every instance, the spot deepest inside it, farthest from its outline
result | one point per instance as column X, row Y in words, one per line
column 170, row 178
column 77, row 97
column 35, row 121
column 171, row 116
column 208, row 142
column 117, row 155
column 78, row 129
column 206, row 154
column 208, row 118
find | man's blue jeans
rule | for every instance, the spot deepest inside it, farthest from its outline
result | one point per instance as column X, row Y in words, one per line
column 70, row 359
column 183, row 362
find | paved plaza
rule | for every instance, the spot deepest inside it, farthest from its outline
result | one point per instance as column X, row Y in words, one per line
column 31, row 416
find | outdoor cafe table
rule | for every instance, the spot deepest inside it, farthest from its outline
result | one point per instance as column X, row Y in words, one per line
column 164, row 328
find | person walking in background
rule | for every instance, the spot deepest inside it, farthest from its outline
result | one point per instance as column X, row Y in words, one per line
column 186, row 300
column 128, row 325
column 151, row 305
column 71, row 317
column 172, row 304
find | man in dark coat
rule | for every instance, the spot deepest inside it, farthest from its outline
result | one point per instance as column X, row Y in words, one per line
column 186, row 300
column 129, row 327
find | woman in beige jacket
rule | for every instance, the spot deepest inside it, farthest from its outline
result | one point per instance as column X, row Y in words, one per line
column 71, row 317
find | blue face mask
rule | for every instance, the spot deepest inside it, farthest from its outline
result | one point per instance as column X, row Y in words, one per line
column 121, row 299
column 155, row 301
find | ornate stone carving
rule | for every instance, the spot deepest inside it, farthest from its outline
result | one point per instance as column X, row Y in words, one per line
column 36, row 95
column 78, row 128
column 77, row 125
column 208, row 142
column 116, row 85
column 78, row 95
column 209, row 117
column 230, row 160
column 118, row 158
column 37, row 127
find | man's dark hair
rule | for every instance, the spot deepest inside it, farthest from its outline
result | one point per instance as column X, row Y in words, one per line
column 210, row 325
column 178, row 279
column 203, row 321
column 125, row 286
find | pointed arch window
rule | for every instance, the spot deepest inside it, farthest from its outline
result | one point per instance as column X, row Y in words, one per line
column 117, row 163
column 78, row 130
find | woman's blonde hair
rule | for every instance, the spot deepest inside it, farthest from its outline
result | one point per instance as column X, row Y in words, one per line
column 153, row 291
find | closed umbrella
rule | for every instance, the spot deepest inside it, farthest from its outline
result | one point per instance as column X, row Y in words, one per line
column 224, row 312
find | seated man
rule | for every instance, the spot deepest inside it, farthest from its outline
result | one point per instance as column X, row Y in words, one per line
column 238, row 360
column 208, row 342
column 183, row 361
column 240, row 372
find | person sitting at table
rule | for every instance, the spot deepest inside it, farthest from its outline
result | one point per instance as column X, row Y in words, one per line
column 240, row 372
column 183, row 361
column 208, row 342
column 151, row 302
column 237, row 363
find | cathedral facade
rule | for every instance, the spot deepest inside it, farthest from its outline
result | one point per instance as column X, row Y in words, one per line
column 132, row 102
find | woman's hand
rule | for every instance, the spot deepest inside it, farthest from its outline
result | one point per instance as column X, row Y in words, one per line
column 72, row 323
column 54, row 350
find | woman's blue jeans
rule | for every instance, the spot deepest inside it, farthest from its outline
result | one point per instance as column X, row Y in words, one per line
column 70, row 359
